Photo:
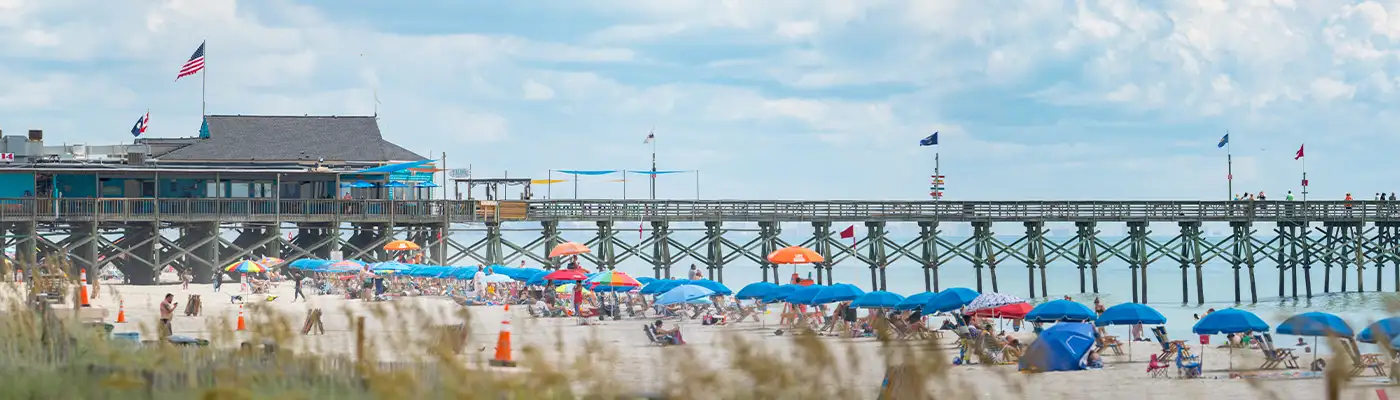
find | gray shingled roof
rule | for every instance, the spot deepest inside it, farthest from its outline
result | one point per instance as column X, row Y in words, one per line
column 284, row 138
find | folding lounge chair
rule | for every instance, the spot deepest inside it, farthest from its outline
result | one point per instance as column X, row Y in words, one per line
column 1363, row 362
column 1184, row 366
column 1157, row 368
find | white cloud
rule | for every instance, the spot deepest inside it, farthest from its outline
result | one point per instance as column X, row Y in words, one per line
column 536, row 91
column 1328, row 89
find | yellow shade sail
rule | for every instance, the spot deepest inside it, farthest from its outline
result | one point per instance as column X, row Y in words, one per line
column 546, row 181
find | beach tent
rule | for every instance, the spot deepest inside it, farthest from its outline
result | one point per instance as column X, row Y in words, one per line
column 1062, row 347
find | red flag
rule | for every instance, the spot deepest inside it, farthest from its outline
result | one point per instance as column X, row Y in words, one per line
column 639, row 230
column 850, row 233
column 1300, row 152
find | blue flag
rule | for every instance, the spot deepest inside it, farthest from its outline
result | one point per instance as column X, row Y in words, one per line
column 1224, row 140
column 204, row 129
column 931, row 140
column 140, row 127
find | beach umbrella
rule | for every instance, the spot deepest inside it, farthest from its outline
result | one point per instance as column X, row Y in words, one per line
column 701, row 300
column 1230, row 320
column 613, row 289
column 401, row 245
column 719, row 288
column 389, row 267
column 1009, row 311
column 915, row 301
column 614, row 278
column 993, row 300
column 269, row 262
column 838, row 292
column 1130, row 314
column 245, row 266
column 497, row 278
column 660, row 286
column 526, row 273
column 566, row 275
column 794, row 255
column 878, row 299
column 395, row 184
column 805, row 294
column 949, row 300
column 309, row 263
column 1060, row 310
column 361, row 185
column 781, row 293
column 346, row 265
column 567, row 288
column 683, row 293
column 1381, row 331
column 756, row 290
column 568, row 249
column 1315, row 324
column 646, row 279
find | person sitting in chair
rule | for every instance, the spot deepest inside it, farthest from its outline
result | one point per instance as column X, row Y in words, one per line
column 668, row 336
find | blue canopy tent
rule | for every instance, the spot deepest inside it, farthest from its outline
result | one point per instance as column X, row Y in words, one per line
column 1062, row 347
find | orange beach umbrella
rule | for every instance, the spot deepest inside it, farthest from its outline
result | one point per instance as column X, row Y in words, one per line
column 795, row 255
column 401, row 245
column 569, row 249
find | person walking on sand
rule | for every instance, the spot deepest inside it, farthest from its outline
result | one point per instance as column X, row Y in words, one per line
column 298, row 294
column 218, row 280
column 184, row 280
column 167, row 312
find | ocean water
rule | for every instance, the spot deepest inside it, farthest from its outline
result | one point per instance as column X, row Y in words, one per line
column 1115, row 283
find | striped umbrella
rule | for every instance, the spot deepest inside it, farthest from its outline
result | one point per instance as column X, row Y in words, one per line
column 245, row 266
column 268, row 262
column 992, row 300
column 613, row 278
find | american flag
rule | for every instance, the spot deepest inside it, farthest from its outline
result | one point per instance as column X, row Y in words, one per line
column 194, row 65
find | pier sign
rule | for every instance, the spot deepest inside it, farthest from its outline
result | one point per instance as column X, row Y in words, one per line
column 7, row 157
column 935, row 187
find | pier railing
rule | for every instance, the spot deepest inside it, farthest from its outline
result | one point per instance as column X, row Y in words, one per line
column 428, row 211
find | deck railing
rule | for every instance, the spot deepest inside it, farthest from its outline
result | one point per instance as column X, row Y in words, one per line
column 262, row 209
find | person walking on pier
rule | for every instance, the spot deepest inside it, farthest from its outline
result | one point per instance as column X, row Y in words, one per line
column 1289, row 197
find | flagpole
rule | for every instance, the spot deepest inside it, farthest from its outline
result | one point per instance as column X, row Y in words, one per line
column 1304, row 158
column 936, row 173
column 653, row 163
column 1229, row 169
column 204, row 83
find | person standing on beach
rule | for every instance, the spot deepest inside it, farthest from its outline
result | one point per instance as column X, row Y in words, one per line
column 167, row 312
column 298, row 295
column 184, row 280
column 218, row 280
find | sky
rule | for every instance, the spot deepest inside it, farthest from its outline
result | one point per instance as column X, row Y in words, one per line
column 779, row 99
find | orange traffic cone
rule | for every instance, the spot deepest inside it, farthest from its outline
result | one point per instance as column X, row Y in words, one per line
column 82, row 289
column 503, row 344
column 121, row 312
column 241, row 325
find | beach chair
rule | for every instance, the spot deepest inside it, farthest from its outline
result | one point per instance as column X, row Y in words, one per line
column 1185, row 367
column 1156, row 368
column 1275, row 357
column 1160, row 335
column 653, row 337
column 1110, row 343
column 1363, row 362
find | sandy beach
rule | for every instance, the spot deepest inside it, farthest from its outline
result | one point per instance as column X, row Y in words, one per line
column 635, row 363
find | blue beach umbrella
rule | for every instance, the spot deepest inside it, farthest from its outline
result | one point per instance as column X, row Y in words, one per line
column 804, row 294
column 308, row 263
column 838, row 292
column 395, row 184
column 645, row 280
column 1230, row 320
column 915, row 301
column 1381, row 331
column 389, row 266
column 719, row 288
column 756, row 290
column 949, row 300
column 1060, row 310
column 878, row 299
column 660, row 286
column 1315, row 324
column 781, row 293
column 1130, row 314
column 683, row 293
